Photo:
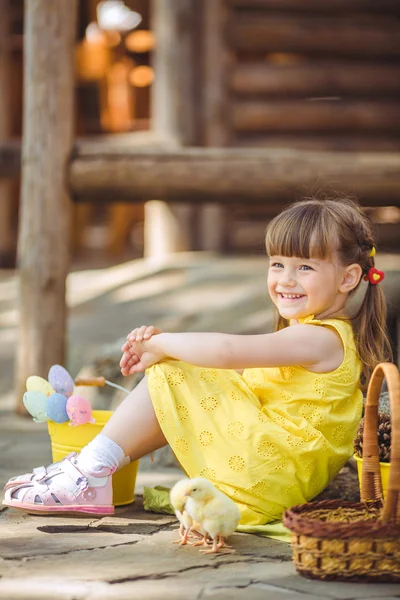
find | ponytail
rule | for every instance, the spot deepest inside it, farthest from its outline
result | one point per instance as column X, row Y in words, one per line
column 372, row 340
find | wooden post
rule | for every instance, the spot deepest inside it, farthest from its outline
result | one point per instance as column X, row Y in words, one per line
column 214, row 226
column 6, row 196
column 174, row 111
column 43, row 244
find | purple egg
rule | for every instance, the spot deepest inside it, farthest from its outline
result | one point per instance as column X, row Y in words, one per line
column 61, row 380
column 56, row 408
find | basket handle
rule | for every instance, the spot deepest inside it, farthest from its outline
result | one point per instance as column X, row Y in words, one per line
column 371, row 485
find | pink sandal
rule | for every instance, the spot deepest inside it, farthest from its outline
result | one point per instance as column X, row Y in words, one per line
column 37, row 473
column 64, row 489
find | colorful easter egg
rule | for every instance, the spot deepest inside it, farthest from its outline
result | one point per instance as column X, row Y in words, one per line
column 56, row 408
column 79, row 411
column 35, row 403
column 61, row 380
column 34, row 383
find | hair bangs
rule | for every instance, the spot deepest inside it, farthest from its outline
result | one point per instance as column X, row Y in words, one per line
column 301, row 231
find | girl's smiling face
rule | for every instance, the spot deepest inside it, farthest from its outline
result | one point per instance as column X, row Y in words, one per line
column 300, row 287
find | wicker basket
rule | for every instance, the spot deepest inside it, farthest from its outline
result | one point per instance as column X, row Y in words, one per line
column 356, row 541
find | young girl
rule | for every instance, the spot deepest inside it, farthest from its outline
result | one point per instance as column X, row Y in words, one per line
column 269, row 419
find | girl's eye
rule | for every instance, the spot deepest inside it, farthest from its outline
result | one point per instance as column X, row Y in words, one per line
column 277, row 265
column 305, row 268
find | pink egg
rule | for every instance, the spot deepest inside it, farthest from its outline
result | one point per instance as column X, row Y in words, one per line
column 79, row 411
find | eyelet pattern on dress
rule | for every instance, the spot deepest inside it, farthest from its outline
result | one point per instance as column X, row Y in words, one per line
column 206, row 438
column 159, row 414
column 181, row 445
column 156, row 382
column 235, row 427
column 345, row 374
column 265, row 449
column 260, row 489
column 209, row 403
column 182, row 411
column 339, row 433
column 236, row 463
column 175, row 378
column 287, row 373
column 294, row 492
column 320, row 386
column 208, row 375
column 262, row 417
column 235, row 396
column 280, row 420
column 208, row 473
column 286, row 395
column 309, row 432
column 341, row 406
column 281, row 465
column 310, row 467
column 294, row 441
column 311, row 413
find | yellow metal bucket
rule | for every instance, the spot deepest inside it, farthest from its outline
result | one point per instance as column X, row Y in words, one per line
column 66, row 439
column 385, row 469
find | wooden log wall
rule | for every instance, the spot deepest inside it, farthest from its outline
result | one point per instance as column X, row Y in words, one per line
column 312, row 74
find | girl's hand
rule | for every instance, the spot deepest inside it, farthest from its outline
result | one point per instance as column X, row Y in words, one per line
column 135, row 357
column 142, row 333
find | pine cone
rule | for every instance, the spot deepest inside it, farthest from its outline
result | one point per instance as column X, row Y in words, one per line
column 383, row 434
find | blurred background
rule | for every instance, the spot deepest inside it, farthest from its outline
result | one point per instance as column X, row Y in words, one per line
column 297, row 74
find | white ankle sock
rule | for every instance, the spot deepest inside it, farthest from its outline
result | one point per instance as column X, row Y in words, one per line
column 101, row 452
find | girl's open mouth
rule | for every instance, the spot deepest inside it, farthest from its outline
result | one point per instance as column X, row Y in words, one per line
column 290, row 297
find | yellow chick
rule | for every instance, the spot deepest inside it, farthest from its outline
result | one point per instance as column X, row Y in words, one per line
column 217, row 514
column 178, row 499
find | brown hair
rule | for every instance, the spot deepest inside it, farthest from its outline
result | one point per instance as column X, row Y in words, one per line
column 316, row 228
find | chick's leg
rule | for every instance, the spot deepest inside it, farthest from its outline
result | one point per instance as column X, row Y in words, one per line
column 218, row 543
column 202, row 542
column 184, row 533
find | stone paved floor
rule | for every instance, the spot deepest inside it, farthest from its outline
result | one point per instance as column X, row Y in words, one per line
column 130, row 555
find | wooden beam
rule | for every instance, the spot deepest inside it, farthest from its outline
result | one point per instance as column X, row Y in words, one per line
column 350, row 36
column 383, row 6
column 315, row 79
column 43, row 248
column 321, row 140
column 316, row 116
column 229, row 175
column 98, row 168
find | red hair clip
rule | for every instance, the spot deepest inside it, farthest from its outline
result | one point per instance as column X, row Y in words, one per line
column 374, row 276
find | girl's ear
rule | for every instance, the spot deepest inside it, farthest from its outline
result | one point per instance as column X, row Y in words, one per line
column 351, row 278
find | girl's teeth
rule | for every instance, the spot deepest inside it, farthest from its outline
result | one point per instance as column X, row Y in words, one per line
column 291, row 296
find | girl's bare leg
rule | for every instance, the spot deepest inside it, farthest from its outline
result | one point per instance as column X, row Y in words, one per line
column 134, row 425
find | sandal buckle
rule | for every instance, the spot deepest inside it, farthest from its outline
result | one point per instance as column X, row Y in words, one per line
column 89, row 494
column 82, row 483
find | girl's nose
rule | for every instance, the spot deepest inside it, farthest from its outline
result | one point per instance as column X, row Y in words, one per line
column 287, row 279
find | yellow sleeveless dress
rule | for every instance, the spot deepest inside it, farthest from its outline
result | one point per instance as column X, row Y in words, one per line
column 269, row 438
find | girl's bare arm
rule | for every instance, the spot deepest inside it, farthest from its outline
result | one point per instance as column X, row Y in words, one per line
column 317, row 348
